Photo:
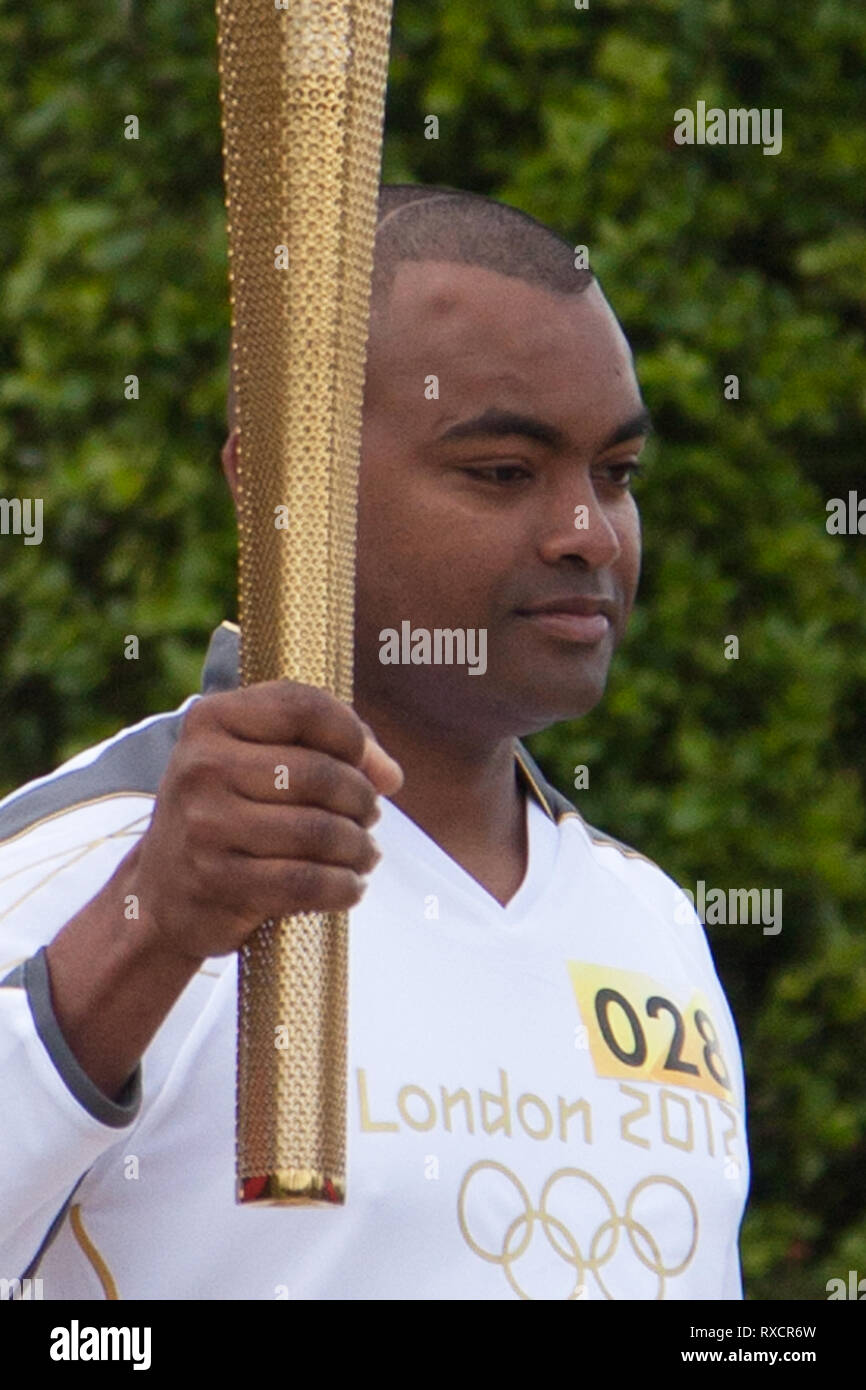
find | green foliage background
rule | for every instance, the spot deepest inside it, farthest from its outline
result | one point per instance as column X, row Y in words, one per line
column 717, row 260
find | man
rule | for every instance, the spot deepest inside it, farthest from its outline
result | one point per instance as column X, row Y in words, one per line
column 546, row 1092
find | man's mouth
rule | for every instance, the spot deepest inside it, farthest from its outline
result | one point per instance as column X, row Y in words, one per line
column 577, row 619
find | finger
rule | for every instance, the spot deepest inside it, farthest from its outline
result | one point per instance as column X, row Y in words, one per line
column 284, row 712
column 384, row 772
column 305, row 777
column 296, row 832
column 283, row 886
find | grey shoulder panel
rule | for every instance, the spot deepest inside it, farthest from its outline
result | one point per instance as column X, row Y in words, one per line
column 15, row 978
column 561, row 804
column 558, row 805
column 134, row 762
column 222, row 663
column 115, row 1113
column 601, row 837
column 552, row 801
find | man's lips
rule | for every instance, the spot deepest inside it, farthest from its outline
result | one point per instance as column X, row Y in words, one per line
column 576, row 618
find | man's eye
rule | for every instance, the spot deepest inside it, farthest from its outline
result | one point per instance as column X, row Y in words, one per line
column 501, row 473
column 622, row 475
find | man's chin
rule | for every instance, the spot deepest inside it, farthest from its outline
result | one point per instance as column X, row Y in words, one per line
column 545, row 706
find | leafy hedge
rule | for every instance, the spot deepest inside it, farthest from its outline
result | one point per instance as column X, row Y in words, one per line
column 718, row 260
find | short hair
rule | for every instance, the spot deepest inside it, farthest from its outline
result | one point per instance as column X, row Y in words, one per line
column 426, row 223
column 431, row 222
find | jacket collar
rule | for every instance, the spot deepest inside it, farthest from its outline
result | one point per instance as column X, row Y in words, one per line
column 222, row 672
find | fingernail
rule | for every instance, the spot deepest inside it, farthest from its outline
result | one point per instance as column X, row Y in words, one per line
column 387, row 756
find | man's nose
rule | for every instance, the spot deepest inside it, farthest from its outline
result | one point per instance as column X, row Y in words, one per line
column 575, row 523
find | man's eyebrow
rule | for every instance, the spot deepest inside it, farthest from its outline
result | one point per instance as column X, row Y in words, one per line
column 498, row 423
column 640, row 424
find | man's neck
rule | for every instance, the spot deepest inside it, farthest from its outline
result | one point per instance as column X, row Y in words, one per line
column 467, row 799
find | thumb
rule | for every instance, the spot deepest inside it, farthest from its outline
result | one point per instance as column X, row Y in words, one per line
column 383, row 771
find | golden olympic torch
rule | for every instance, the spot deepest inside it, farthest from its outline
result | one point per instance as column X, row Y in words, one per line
column 302, row 91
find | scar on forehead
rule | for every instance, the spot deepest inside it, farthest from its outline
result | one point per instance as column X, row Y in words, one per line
column 437, row 285
column 440, row 299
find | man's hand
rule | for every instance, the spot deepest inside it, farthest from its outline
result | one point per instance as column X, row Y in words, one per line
column 264, row 810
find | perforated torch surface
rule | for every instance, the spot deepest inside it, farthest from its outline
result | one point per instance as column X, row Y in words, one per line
column 302, row 97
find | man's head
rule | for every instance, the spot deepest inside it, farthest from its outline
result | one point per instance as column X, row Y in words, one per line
column 502, row 419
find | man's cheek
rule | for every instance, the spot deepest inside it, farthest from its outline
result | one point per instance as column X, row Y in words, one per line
column 630, row 550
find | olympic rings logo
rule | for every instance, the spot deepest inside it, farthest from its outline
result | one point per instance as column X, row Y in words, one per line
column 603, row 1245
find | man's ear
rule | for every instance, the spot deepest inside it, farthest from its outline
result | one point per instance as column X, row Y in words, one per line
column 229, row 458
